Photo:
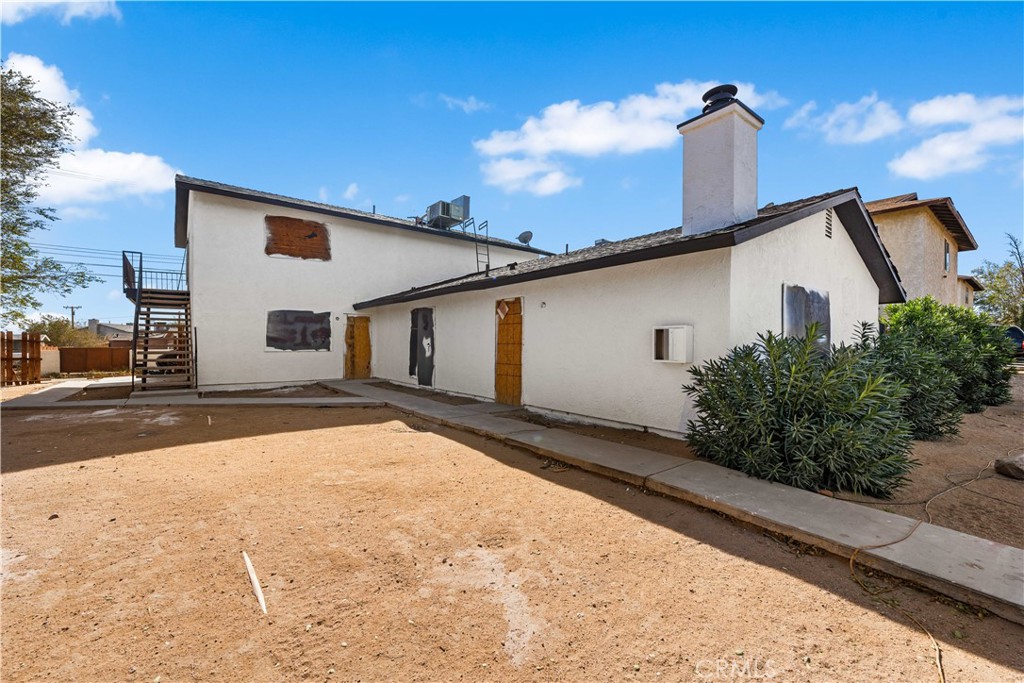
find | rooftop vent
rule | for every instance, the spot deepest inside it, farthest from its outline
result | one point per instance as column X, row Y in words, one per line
column 446, row 214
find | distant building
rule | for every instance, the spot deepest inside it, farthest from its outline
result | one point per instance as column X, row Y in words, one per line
column 924, row 238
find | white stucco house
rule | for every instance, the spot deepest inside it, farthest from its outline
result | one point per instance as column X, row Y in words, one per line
column 607, row 333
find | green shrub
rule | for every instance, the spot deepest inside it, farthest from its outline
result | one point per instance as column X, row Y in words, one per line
column 969, row 345
column 930, row 406
column 784, row 411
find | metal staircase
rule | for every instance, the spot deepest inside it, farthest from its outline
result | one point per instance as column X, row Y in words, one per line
column 162, row 349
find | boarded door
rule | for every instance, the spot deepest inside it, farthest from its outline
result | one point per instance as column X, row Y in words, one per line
column 508, row 361
column 421, row 346
column 357, row 347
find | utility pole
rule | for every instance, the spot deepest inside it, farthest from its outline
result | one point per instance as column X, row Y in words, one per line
column 72, row 315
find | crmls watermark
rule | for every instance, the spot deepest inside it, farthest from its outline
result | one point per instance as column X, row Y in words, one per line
column 752, row 669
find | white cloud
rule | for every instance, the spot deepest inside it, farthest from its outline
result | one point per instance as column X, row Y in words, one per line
column 468, row 105
column 402, row 198
column 81, row 213
column 322, row 194
column 14, row 11
column 351, row 191
column 636, row 123
column 865, row 120
column 88, row 174
column 984, row 126
column 536, row 176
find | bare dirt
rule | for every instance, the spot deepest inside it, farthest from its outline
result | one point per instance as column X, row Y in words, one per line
column 392, row 549
column 296, row 391
column 99, row 392
column 991, row 507
column 438, row 396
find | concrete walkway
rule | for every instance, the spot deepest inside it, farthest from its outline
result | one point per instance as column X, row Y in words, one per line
column 964, row 567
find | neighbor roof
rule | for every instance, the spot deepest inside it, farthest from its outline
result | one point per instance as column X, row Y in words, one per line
column 972, row 281
column 183, row 185
column 943, row 209
column 846, row 203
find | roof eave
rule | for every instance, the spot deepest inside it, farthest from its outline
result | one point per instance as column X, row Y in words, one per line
column 847, row 204
column 185, row 185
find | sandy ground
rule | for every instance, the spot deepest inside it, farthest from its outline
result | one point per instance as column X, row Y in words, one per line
column 993, row 506
column 390, row 549
column 297, row 391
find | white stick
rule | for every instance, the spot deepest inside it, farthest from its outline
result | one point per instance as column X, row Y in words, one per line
column 255, row 582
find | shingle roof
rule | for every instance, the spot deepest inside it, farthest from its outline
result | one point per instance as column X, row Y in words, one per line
column 942, row 207
column 184, row 185
column 672, row 242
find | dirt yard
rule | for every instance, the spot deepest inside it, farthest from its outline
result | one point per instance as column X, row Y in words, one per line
column 390, row 549
column 991, row 507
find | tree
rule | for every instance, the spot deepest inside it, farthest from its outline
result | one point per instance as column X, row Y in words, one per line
column 35, row 132
column 1003, row 297
column 61, row 333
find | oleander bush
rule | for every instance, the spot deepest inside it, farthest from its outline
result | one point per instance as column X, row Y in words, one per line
column 783, row 410
column 970, row 345
column 930, row 406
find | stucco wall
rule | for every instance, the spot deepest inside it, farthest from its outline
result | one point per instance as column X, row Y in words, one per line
column 233, row 285
column 915, row 240
column 800, row 254
column 587, row 338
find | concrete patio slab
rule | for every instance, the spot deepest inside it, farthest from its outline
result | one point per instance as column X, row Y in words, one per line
column 341, row 401
column 614, row 460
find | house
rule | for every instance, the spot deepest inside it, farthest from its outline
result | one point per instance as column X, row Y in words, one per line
column 607, row 333
column 610, row 332
column 271, row 281
column 924, row 238
column 117, row 336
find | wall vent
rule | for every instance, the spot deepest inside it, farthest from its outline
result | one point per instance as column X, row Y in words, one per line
column 828, row 223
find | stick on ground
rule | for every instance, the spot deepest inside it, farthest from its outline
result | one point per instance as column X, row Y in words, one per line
column 255, row 582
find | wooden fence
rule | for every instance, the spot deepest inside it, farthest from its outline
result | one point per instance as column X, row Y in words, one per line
column 23, row 366
column 94, row 359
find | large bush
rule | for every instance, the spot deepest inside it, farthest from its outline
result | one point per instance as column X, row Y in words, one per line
column 970, row 345
column 930, row 406
column 784, row 411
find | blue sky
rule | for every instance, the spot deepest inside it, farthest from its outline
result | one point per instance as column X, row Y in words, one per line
column 554, row 118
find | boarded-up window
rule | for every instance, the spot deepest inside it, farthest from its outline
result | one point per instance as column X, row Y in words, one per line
column 295, row 237
column 802, row 307
column 298, row 331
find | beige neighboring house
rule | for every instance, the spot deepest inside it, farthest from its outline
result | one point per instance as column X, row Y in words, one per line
column 924, row 238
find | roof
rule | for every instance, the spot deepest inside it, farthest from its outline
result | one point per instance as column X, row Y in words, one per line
column 184, row 184
column 972, row 281
column 943, row 209
column 846, row 203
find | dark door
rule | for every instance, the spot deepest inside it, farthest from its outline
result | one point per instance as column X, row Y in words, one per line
column 421, row 346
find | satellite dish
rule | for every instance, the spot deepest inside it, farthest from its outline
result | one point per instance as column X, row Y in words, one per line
column 525, row 237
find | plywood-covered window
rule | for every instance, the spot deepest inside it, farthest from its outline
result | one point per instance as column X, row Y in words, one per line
column 803, row 306
column 298, row 331
column 287, row 236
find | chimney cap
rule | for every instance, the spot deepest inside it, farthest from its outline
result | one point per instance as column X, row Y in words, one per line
column 717, row 98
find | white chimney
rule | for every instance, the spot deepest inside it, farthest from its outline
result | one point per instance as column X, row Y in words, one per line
column 719, row 163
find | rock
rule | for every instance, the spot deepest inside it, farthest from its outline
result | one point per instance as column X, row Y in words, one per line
column 54, row 516
column 1012, row 467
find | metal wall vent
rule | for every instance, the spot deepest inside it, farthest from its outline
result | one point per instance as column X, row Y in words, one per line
column 828, row 223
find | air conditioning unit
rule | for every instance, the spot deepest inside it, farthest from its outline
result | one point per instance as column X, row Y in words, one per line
column 446, row 214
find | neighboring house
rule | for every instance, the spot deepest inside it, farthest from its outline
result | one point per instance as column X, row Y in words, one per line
column 117, row 336
column 924, row 238
column 283, row 290
column 969, row 285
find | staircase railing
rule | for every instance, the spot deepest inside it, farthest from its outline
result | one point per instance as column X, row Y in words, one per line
column 136, row 278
